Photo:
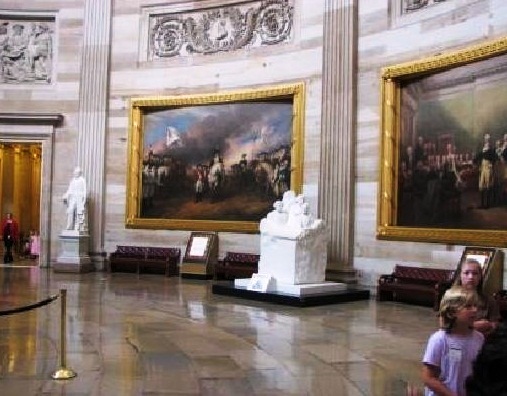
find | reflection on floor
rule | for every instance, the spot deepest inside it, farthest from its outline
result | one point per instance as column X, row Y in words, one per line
column 152, row 335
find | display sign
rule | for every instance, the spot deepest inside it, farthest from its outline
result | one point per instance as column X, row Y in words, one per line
column 200, row 255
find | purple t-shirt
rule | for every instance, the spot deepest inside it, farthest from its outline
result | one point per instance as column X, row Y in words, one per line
column 454, row 354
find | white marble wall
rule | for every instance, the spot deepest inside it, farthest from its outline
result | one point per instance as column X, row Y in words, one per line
column 299, row 60
column 61, row 96
column 384, row 40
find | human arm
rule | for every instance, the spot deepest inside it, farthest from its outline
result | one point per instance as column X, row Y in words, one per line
column 430, row 376
column 488, row 316
column 65, row 197
column 488, row 322
column 484, row 326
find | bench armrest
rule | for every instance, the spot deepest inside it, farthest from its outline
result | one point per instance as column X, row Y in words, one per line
column 387, row 278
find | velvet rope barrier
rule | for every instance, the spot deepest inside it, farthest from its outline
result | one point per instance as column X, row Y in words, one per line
column 30, row 307
column 63, row 372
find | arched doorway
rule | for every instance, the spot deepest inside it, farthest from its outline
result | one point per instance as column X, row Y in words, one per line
column 20, row 194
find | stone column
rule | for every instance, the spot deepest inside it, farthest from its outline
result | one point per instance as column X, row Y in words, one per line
column 336, row 184
column 93, row 107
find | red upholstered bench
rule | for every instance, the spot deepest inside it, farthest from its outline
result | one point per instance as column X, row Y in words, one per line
column 145, row 259
column 236, row 265
column 416, row 285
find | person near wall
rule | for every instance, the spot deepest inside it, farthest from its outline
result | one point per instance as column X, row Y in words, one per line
column 488, row 313
column 76, row 198
column 10, row 234
column 488, row 376
column 34, row 244
column 451, row 350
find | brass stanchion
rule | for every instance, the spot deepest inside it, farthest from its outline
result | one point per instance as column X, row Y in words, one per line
column 63, row 372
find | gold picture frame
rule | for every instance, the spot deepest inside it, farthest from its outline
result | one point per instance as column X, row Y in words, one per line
column 439, row 118
column 218, row 161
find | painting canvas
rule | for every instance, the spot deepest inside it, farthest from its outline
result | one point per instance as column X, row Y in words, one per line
column 444, row 174
column 214, row 162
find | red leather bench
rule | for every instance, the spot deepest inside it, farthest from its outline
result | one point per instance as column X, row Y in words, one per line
column 236, row 265
column 145, row 259
column 415, row 285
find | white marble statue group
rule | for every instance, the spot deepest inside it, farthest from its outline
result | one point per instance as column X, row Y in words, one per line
column 290, row 218
column 76, row 199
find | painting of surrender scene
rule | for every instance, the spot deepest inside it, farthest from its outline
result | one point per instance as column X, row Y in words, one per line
column 215, row 162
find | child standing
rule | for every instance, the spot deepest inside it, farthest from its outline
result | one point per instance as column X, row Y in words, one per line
column 488, row 313
column 451, row 350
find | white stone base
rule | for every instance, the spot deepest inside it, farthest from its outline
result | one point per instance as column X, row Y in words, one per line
column 307, row 289
column 74, row 257
column 295, row 260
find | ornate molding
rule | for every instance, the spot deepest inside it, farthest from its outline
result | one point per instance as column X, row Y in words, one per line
column 414, row 5
column 220, row 29
column 447, row 60
column 53, row 119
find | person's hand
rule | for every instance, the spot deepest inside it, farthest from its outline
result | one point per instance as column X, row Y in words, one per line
column 484, row 326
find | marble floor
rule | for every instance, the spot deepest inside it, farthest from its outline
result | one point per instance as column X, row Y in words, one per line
column 131, row 334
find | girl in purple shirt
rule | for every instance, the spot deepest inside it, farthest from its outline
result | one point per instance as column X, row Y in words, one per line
column 451, row 350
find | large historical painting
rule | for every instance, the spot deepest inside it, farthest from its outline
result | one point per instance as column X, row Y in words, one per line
column 444, row 148
column 213, row 162
column 26, row 49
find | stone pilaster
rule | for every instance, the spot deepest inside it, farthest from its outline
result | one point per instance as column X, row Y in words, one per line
column 336, row 184
column 93, row 114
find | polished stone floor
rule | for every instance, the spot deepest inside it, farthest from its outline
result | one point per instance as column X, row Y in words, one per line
column 131, row 334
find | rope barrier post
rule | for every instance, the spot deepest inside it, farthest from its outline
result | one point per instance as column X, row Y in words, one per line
column 63, row 372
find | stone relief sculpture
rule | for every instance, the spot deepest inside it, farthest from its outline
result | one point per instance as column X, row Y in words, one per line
column 293, row 243
column 26, row 51
column 251, row 24
column 76, row 199
column 290, row 218
column 412, row 5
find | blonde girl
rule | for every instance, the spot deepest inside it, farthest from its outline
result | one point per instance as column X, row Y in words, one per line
column 451, row 350
column 488, row 314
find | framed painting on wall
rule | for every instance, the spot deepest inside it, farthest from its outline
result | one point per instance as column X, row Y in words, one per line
column 213, row 162
column 443, row 169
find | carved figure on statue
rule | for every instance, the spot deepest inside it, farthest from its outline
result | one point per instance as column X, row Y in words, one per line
column 288, row 198
column 76, row 199
column 277, row 216
column 307, row 220
column 290, row 218
column 295, row 213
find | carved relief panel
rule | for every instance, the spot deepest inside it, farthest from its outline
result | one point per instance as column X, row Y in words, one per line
column 407, row 12
column 26, row 48
column 173, row 32
column 412, row 5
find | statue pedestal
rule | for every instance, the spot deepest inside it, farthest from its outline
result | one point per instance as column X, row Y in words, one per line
column 294, row 261
column 74, row 257
column 294, row 266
